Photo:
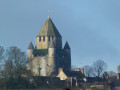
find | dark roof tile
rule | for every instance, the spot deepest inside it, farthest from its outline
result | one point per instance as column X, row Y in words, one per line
column 49, row 29
column 66, row 45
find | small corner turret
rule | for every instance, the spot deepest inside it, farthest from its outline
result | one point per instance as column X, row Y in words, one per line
column 51, row 49
column 66, row 46
column 67, row 57
column 30, row 50
column 30, row 55
column 30, row 46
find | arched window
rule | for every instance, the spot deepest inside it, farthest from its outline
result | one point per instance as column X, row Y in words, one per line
column 39, row 39
column 43, row 39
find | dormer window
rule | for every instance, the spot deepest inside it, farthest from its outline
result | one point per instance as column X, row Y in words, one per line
column 39, row 39
column 43, row 39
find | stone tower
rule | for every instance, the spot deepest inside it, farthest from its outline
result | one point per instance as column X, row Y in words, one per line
column 48, row 55
column 48, row 33
column 67, row 56
column 30, row 55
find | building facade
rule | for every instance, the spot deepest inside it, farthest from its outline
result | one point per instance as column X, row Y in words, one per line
column 47, row 56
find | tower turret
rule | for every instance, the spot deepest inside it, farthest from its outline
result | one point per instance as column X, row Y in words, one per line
column 51, row 58
column 30, row 50
column 67, row 48
column 51, row 49
column 67, row 51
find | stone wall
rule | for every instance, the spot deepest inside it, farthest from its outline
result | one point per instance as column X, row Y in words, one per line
column 45, row 44
column 41, row 44
column 65, row 89
column 39, row 62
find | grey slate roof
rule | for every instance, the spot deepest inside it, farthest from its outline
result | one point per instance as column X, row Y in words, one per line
column 66, row 45
column 49, row 29
column 52, row 44
column 30, row 46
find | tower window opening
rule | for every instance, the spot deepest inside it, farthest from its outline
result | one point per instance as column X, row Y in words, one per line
column 52, row 38
column 49, row 38
column 40, row 39
column 43, row 39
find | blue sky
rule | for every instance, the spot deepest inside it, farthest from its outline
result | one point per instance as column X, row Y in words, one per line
column 92, row 27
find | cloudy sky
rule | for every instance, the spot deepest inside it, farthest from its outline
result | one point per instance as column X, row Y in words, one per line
column 92, row 27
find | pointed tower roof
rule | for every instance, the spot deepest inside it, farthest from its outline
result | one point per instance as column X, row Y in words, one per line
column 52, row 44
column 49, row 29
column 30, row 46
column 66, row 45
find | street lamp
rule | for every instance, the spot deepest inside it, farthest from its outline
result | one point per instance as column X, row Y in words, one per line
column 39, row 70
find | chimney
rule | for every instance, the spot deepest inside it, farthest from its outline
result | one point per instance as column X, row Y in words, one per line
column 82, row 70
column 77, row 69
column 118, row 76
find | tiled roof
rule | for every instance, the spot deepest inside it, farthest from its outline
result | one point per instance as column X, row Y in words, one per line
column 49, row 29
column 66, row 45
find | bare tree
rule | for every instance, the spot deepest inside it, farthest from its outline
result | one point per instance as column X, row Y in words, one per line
column 88, row 71
column 1, row 58
column 118, row 68
column 1, row 53
column 98, row 67
column 16, row 62
column 8, row 69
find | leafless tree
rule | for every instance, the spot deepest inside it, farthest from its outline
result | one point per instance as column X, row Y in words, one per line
column 98, row 67
column 8, row 69
column 88, row 71
column 16, row 62
column 118, row 68
column 1, row 53
column 1, row 58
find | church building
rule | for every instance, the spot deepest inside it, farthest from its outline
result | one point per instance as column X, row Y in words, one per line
column 48, row 55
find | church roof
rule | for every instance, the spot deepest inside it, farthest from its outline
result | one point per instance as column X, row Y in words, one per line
column 49, row 29
column 52, row 44
column 66, row 45
column 30, row 46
